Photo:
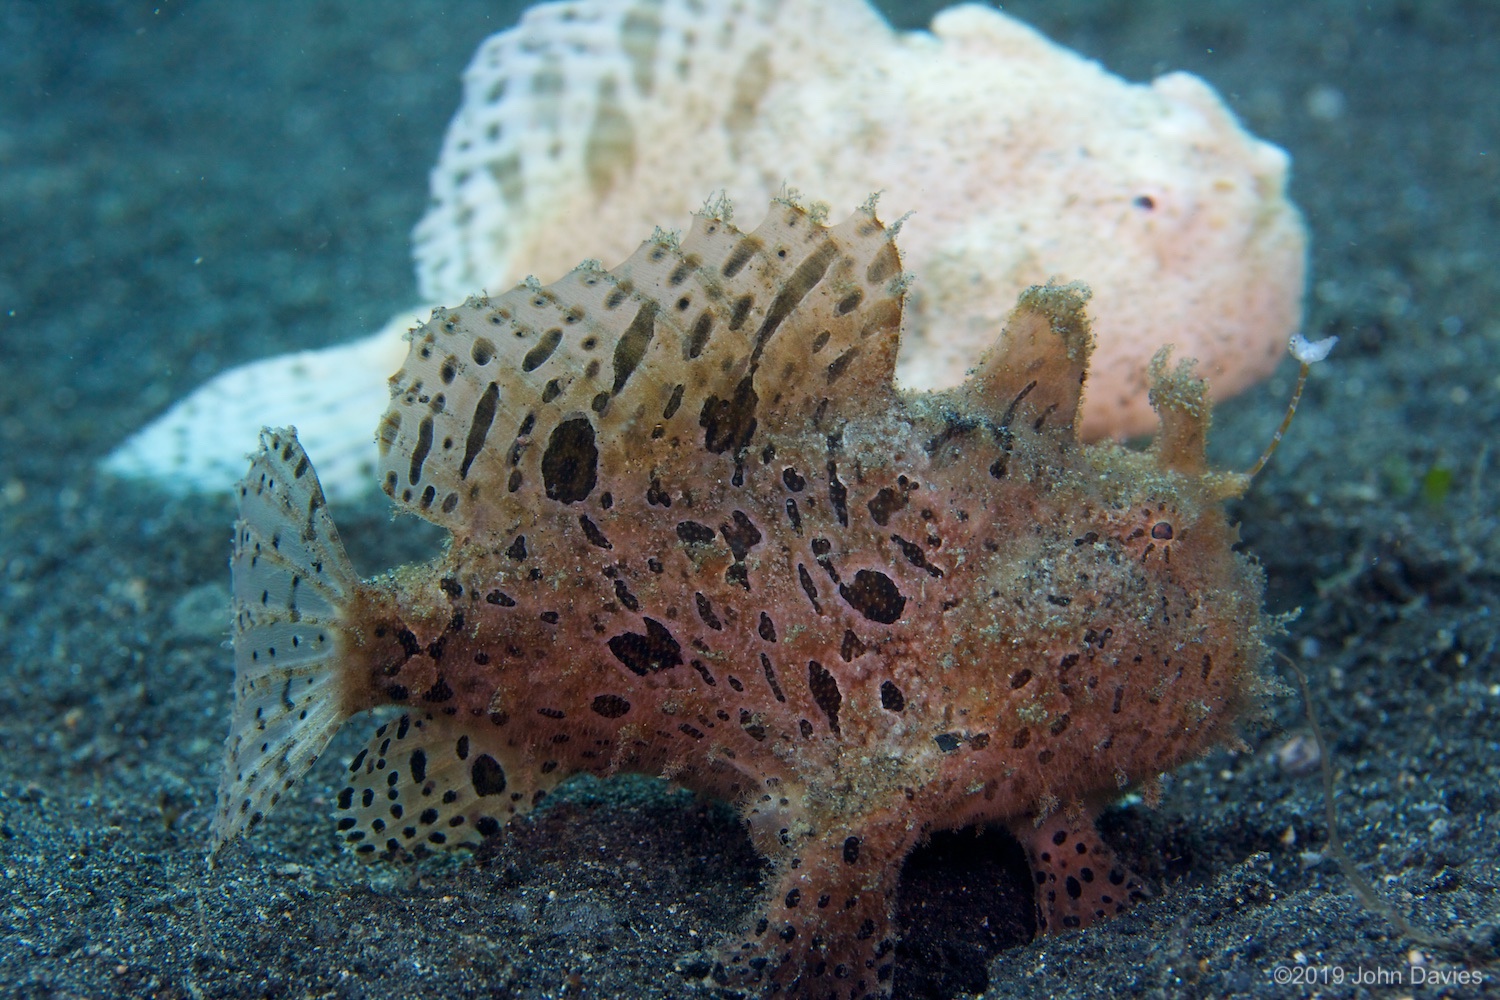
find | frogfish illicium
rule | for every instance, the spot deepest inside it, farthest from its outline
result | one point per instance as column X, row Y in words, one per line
column 698, row 532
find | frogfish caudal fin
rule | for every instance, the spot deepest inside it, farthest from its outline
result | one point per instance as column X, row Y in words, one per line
column 291, row 582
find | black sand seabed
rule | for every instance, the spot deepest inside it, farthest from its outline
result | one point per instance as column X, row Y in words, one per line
column 187, row 187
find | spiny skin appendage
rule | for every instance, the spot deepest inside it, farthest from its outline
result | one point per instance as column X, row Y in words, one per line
column 697, row 532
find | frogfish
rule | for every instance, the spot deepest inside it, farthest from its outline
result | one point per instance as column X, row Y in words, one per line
column 698, row 532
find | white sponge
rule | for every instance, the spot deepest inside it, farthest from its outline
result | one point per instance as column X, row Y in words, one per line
column 592, row 122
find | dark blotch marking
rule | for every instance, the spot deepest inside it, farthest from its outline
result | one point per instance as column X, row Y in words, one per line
column 805, row 578
column 708, row 679
column 885, row 503
column 874, row 595
column 741, row 255
column 740, row 311
column 698, row 338
column 742, row 536
column 792, row 481
column 542, row 351
column 694, row 533
column 409, row 644
column 838, row 494
column 885, row 264
column 825, row 692
column 419, row 452
column 840, row 364
column 954, row 427
column 947, row 742
column 611, row 705
column 729, row 424
column 592, row 533
column 631, row 347
column 852, row 646
column 770, row 671
column 793, row 291
column 753, row 727
column 674, row 402
column 487, row 775
column 706, row 612
column 570, row 463
column 517, row 550
column 851, row 850
column 646, row 654
column 891, row 698
column 914, row 555
column 766, row 628
column 793, row 514
column 625, row 597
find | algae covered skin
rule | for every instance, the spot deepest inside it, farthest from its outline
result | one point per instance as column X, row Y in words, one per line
column 698, row 533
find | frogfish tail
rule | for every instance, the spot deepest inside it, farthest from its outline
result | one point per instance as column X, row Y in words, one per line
column 292, row 584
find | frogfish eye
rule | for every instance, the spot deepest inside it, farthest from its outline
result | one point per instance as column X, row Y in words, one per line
column 1162, row 530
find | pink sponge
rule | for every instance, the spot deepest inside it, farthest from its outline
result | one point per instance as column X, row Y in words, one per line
column 592, row 121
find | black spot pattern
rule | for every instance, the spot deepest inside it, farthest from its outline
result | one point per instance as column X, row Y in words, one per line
column 694, row 533
column 874, row 595
column 647, row 654
column 479, row 427
column 825, row 692
column 728, row 424
column 610, row 706
column 487, row 776
column 570, row 463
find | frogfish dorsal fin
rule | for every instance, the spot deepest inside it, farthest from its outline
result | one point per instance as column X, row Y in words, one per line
column 1180, row 398
column 1037, row 368
column 713, row 343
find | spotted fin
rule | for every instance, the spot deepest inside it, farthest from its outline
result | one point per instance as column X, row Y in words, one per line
column 1079, row 879
column 290, row 581
column 717, row 342
column 425, row 784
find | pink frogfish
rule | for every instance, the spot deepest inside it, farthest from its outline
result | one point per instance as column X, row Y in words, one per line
column 698, row 532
